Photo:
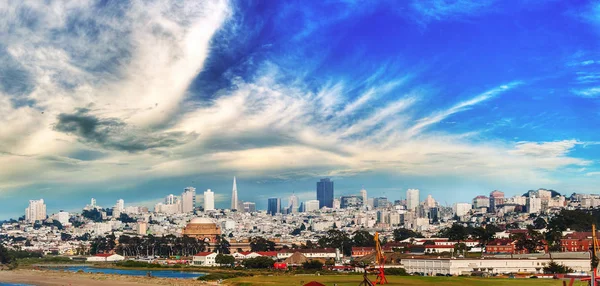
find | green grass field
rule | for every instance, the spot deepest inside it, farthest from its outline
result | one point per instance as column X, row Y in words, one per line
column 354, row 280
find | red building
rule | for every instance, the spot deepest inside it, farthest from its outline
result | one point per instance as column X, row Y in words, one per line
column 576, row 242
column 362, row 251
column 501, row 246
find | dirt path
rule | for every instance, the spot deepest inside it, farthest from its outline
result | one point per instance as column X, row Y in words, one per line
column 52, row 278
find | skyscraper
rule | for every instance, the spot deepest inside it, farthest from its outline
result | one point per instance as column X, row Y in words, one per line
column 120, row 205
column 249, row 207
column 496, row 198
column 293, row 204
column 325, row 193
column 274, row 206
column 234, row 196
column 35, row 211
column 188, row 199
column 412, row 199
column 209, row 200
column 363, row 194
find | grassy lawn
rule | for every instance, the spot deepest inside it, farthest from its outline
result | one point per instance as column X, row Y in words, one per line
column 354, row 280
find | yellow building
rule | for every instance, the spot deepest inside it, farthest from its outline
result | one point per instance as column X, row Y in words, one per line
column 203, row 229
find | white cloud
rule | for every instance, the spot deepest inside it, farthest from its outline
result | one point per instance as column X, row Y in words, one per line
column 592, row 92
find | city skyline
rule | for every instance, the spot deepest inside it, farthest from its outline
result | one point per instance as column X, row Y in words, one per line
column 453, row 99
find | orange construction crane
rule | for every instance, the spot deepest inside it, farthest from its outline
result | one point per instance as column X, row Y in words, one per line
column 380, row 259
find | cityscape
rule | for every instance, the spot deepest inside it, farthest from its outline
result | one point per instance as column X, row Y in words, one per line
column 306, row 143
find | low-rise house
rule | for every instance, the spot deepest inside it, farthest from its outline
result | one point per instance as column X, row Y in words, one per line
column 105, row 257
column 204, row 259
column 362, row 251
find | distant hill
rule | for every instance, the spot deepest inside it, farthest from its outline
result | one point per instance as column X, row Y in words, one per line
column 554, row 193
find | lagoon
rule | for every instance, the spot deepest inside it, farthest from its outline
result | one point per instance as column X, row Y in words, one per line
column 153, row 272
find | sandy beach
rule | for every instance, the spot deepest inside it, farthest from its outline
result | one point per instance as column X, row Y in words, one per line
column 47, row 278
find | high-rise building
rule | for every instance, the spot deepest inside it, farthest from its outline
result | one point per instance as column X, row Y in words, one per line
column 274, row 206
column 234, row 196
column 336, row 204
column 93, row 203
column 534, row 204
column 188, row 199
column 351, row 201
column 496, row 199
column 325, row 193
column 120, row 205
column 381, row 202
column 461, row 209
column 429, row 202
column 142, row 227
column 249, row 207
column 412, row 199
column 170, row 199
column 481, row 202
column 209, row 200
column 363, row 194
column 35, row 211
column 293, row 204
column 311, row 206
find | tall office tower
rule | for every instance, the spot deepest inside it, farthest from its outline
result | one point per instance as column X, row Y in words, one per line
column 274, row 206
column 35, row 211
column 249, row 207
column 325, row 193
column 363, row 194
column 234, row 196
column 461, row 209
column 293, row 204
column 209, row 200
column 412, row 199
column 496, row 199
column 120, row 205
column 188, row 199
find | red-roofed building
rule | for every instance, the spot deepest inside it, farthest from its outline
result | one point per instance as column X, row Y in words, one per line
column 362, row 251
column 500, row 246
column 576, row 242
column 204, row 259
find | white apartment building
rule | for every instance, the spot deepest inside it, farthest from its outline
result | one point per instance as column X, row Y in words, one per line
column 35, row 211
column 62, row 217
column 534, row 204
column 209, row 200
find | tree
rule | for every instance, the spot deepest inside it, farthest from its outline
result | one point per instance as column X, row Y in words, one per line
column 363, row 238
column 5, row 258
column 223, row 259
column 456, row 232
column 484, row 235
column 429, row 242
column 260, row 262
column 261, row 244
column 312, row 265
column 555, row 268
column 223, row 245
column 540, row 223
column 125, row 218
column 65, row 236
column 530, row 241
column 93, row 214
column 296, row 232
column 401, row 234
column 336, row 239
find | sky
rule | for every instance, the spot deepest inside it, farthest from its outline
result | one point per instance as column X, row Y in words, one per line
column 140, row 99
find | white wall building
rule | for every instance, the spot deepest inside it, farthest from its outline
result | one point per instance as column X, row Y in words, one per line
column 188, row 199
column 62, row 217
column 209, row 200
column 35, row 211
column 293, row 204
column 311, row 206
column 492, row 265
column 204, row 258
column 412, row 199
column 534, row 204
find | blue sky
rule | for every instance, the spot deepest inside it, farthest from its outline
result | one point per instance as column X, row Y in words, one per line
column 137, row 100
